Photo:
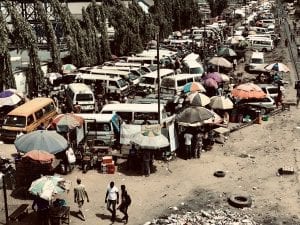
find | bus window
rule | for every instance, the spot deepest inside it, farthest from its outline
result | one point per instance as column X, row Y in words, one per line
column 39, row 114
column 125, row 115
column 30, row 120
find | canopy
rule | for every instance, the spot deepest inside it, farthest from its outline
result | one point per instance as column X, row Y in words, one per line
column 220, row 102
column 193, row 87
column 197, row 99
column 150, row 140
column 248, row 90
column 47, row 186
column 40, row 156
column 193, row 116
column 9, row 98
column 67, row 122
column 46, row 140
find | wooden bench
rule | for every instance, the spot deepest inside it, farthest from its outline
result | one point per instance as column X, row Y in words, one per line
column 19, row 212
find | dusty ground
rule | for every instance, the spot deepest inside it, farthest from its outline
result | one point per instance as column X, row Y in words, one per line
column 251, row 158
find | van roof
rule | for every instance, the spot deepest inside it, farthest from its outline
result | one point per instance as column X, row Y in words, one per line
column 257, row 55
column 113, row 71
column 181, row 76
column 163, row 72
column 130, row 107
column 96, row 116
column 80, row 87
column 29, row 107
column 86, row 76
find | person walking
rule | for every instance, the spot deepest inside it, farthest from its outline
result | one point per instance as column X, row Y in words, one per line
column 188, row 142
column 298, row 97
column 146, row 162
column 79, row 195
column 112, row 199
column 125, row 203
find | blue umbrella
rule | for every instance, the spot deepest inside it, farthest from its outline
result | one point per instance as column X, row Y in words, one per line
column 8, row 97
column 45, row 140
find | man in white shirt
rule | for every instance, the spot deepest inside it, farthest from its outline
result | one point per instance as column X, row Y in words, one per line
column 188, row 142
column 112, row 199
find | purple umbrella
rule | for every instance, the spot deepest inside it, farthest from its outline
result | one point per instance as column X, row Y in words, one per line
column 8, row 97
column 209, row 82
column 215, row 76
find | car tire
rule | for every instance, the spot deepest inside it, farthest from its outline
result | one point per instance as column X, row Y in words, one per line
column 219, row 173
column 240, row 201
column 263, row 111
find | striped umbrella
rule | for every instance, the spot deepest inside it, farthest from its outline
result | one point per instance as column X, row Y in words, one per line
column 197, row 99
column 193, row 87
column 66, row 122
column 248, row 90
column 151, row 140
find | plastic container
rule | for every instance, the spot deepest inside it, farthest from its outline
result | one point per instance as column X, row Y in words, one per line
column 265, row 118
column 107, row 159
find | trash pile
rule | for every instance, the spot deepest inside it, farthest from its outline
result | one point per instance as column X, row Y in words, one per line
column 209, row 217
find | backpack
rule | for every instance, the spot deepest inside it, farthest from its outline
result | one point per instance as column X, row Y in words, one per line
column 128, row 199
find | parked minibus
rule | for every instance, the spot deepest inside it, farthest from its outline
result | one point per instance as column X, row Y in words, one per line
column 150, row 80
column 28, row 117
column 110, row 84
column 174, row 84
column 136, row 113
column 262, row 44
column 80, row 94
column 103, row 129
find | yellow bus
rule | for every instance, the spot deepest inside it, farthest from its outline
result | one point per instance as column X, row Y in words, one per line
column 28, row 117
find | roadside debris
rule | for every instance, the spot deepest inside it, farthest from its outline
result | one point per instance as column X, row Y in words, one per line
column 216, row 217
column 286, row 170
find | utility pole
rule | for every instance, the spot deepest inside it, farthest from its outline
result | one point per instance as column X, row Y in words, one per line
column 158, row 76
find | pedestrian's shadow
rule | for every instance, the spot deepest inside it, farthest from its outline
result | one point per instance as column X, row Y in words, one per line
column 76, row 214
column 107, row 217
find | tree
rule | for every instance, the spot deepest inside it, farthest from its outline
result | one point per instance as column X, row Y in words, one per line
column 24, row 38
column 51, row 37
column 6, row 75
column 217, row 7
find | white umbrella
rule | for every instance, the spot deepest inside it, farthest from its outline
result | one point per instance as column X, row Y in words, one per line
column 197, row 99
column 150, row 140
column 280, row 67
column 225, row 78
column 220, row 61
column 220, row 102
column 68, row 68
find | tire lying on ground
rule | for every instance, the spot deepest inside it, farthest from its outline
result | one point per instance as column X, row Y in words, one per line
column 240, row 201
column 219, row 173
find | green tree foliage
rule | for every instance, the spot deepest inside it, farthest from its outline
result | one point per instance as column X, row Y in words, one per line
column 24, row 38
column 74, row 34
column 50, row 36
column 217, row 7
column 174, row 15
column 6, row 75
column 97, row 16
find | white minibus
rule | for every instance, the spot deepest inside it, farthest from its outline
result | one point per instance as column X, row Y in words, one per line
column 136, row 113
column 80, row 94
column 262, row 44
column 103, row 129
column 150, row 80
column 111, row 84
column 174, row 84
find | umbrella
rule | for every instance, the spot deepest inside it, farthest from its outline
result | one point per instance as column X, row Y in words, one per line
column 150, row 140
column 46, row 140
column 193, row 116
column 9, row 98
column 220, row 102
column 220, row 61
column 15, row 91
column 209, row 82
column 225, row 78
column 216, row 119
column 66, row 122
column 227, row 52
column 248, row 90
column 46, row 186
column 197, row 99
column 215, row 76
column 68, row 68
column 279, row 67
column 40, row 156
column 193, row 87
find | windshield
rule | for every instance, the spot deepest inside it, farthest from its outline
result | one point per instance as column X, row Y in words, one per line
column 122, row 83
column 257, row 61
column 15, row 121
column 168, row 83
column 142, row 72
column 94, row 126
column 196, row 70
column 147, row 80
column 132, row 76
column 84, row 97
